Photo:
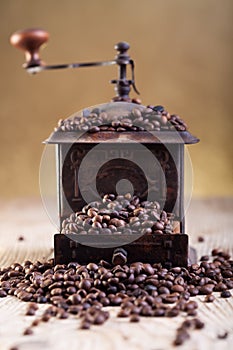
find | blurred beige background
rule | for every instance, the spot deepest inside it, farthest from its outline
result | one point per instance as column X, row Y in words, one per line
column 184, row 61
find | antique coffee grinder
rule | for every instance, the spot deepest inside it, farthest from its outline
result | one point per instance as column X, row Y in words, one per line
column 120, row 173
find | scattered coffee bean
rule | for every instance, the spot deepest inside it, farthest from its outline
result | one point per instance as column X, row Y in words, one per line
column 85, row 325
column 3, row 293
column 198, row 324
column 35, row 323
column 181, row 336
column 21, row 238
column 209, row 298
column 134, row 318
column 28, row 331
column 140, row 290
column 225, row 294
column 223, row 335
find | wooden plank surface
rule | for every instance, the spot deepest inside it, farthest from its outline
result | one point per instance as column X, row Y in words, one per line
column 211, row 219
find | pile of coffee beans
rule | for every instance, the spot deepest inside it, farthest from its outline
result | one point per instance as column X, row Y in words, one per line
column 152, row 118
column 121, row 214
column 138, row 289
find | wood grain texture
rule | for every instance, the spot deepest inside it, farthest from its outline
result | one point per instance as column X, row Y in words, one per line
column 211, row 219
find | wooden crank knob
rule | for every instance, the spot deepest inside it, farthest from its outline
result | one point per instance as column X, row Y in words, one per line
column 30, row 41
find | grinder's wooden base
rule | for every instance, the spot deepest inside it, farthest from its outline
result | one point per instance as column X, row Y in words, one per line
column 167, row 249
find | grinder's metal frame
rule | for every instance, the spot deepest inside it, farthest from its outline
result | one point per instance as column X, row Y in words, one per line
column 168, row 249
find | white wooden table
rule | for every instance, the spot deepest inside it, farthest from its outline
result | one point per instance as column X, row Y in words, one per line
column 211, row 219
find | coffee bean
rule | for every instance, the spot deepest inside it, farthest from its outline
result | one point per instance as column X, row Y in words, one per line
column 85, row 325
column 3, row 293
column 163, row 290
column 177, row 288
column 223, row 335
column 146, row 311
column 62, row 314
column 159, row 312
column 134, row 318
column 169, row 299
column 24, row 296
column 123, row 313
column 56, row 291
column 181, row 337
column 209, row 298
column 225, row 294
column 35, row 323
column 30, row 312
column 85, row 284
column 220, row 287
column 94, row 129
column 206, row 289
column 191, row 305
column 193, row 291
column 28, row 331
column 173, row 312
column 45, row 318
column 186, row 324
column 198, row 324
column 41, row 299
column 192, row 312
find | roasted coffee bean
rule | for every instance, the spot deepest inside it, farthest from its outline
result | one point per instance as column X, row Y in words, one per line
column 30, row 312
column 206, row 289
column 28, row 331
column 3, row 293
column 198, row 324
column 192, row 312
column 193, row 291
column 99, row 319
column 85, row 284
column 225, row 294
column 169, row 299
column 123, row 313
column 223, row 335
column 163, row 290
column 45, row 318
column 177, row 288
column 35, row 323
column 173, row 312
column 209, row 298
column 146, row 311
column 181, row 336
column 41, row 299
column 159, row 312
column 61, row 314
column 85, row 325
column 220, row 287
column 134, row 318
column 74, row 309
column 71, row 290
column 56, row 291
column 24, row 296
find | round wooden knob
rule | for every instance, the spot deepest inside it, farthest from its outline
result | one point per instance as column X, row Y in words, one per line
column 30, row 41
